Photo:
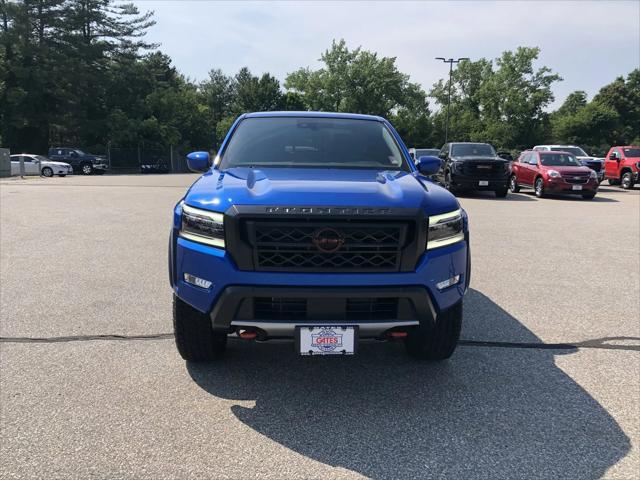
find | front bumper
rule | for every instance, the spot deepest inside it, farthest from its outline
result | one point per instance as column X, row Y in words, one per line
column 225, row 299
column 558, row 185
column 100, row 166
column 473, row 182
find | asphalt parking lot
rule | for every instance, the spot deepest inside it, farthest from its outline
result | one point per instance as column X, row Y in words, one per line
column 545, row 385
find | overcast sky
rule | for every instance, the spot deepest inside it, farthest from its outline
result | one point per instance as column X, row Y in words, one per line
column 587, row 43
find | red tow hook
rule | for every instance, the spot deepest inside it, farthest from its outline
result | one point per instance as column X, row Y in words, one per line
column 247, row 335
column 398, row 334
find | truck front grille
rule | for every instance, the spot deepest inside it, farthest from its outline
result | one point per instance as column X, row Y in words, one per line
column 349, row 309
column 484, row 169
column 326, row 246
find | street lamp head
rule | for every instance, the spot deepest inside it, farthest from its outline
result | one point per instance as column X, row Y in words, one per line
column 441, row 58
column 463, row 58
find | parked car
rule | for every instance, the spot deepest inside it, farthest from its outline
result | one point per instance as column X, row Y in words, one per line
column 157, row 167
column 553, row 172
column 622, row 166
column 416, row 153
column 330, row 235
column 594, row 163
column 473, row 166
column 39, row 165
column 85, row 163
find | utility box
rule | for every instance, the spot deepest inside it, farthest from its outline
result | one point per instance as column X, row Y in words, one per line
column 5, row 163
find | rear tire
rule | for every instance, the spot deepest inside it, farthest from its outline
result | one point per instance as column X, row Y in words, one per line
column 539, row 187
column 62, row 175
column 440, row 341
column 502, row 193
column 627, row 180
column 195, row 338
column 513, row 184
column 86, row 169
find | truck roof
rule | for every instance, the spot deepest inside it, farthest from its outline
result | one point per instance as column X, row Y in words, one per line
column 352, row 116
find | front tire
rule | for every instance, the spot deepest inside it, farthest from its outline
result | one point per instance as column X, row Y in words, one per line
column 448, row 184
column 589, row 196
column 47, row 172
column 502, row 192
column 513, row 184
column 195, row 338
column 614, row 181
column 440, row 341
column 62, row 175
column 539, row 187
column 627, row 181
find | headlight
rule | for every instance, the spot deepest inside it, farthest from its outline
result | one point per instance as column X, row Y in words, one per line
column 594, row 174
column 553, row 173
column 445, row 229
column 202, row 226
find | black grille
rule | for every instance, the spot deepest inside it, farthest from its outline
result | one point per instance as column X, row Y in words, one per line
column 315, row 246
column 296, row 309
column 267, row 308
column 372, row 308
column 581, row 177
column 484, row 169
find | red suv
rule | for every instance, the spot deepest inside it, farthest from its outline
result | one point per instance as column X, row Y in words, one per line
column 553, row 172
column 622, row 165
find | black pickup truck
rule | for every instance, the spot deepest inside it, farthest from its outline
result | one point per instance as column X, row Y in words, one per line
column 85, row 163
column 473, row 166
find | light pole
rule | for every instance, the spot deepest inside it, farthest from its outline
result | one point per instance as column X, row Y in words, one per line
column 450, row 61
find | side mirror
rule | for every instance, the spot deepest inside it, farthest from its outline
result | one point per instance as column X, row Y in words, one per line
column 198, row 161
column 429, row 165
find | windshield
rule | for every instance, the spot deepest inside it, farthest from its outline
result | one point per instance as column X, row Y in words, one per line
column 631, row 152
column 79, row 152
column 427, row 152
column 577, row 151
column 472, row 149
column 559, row 160
column 306, row 142
column 41, row 158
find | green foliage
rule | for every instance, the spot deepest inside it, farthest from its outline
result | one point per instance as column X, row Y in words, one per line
column 78, row 72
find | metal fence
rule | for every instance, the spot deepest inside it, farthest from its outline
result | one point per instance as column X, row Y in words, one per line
column 146, row 160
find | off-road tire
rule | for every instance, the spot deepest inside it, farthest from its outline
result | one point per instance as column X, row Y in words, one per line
column 439, row 341
column 626, row 181
column 195, row 338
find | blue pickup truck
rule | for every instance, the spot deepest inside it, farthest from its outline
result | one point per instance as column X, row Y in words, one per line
column 317, row 228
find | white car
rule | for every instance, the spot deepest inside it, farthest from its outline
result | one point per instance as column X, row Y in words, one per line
column 39, row 165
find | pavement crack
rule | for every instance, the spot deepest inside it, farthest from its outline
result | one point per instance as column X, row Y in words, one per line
column 597, row 343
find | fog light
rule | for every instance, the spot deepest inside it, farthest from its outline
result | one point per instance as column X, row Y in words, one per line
column 198, row 282
column 448, row 283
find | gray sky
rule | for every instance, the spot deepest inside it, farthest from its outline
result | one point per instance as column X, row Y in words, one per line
column 588, row 43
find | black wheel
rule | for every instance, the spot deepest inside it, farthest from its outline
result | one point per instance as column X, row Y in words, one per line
column 588, row 195
column 502, row 192
column 448, row 184
column 195, row 339
column 513, row 184
column 62, row 175
column 539, row 187
column 440, row 341
column 627, row 180
column 86, row 169
column 47, row 172
column 614, row 181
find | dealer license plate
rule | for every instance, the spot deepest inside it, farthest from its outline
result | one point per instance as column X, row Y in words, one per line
column 577, row 187
column 483, row 183
column 326, row 340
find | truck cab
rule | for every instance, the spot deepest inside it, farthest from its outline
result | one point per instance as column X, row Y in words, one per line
column 622, row 165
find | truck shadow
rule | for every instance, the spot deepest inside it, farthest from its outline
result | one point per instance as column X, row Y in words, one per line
column 485, row 413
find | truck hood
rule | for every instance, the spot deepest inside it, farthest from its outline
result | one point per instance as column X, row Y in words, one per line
column 477, row 158
column 219, row 190
column 590, row 159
